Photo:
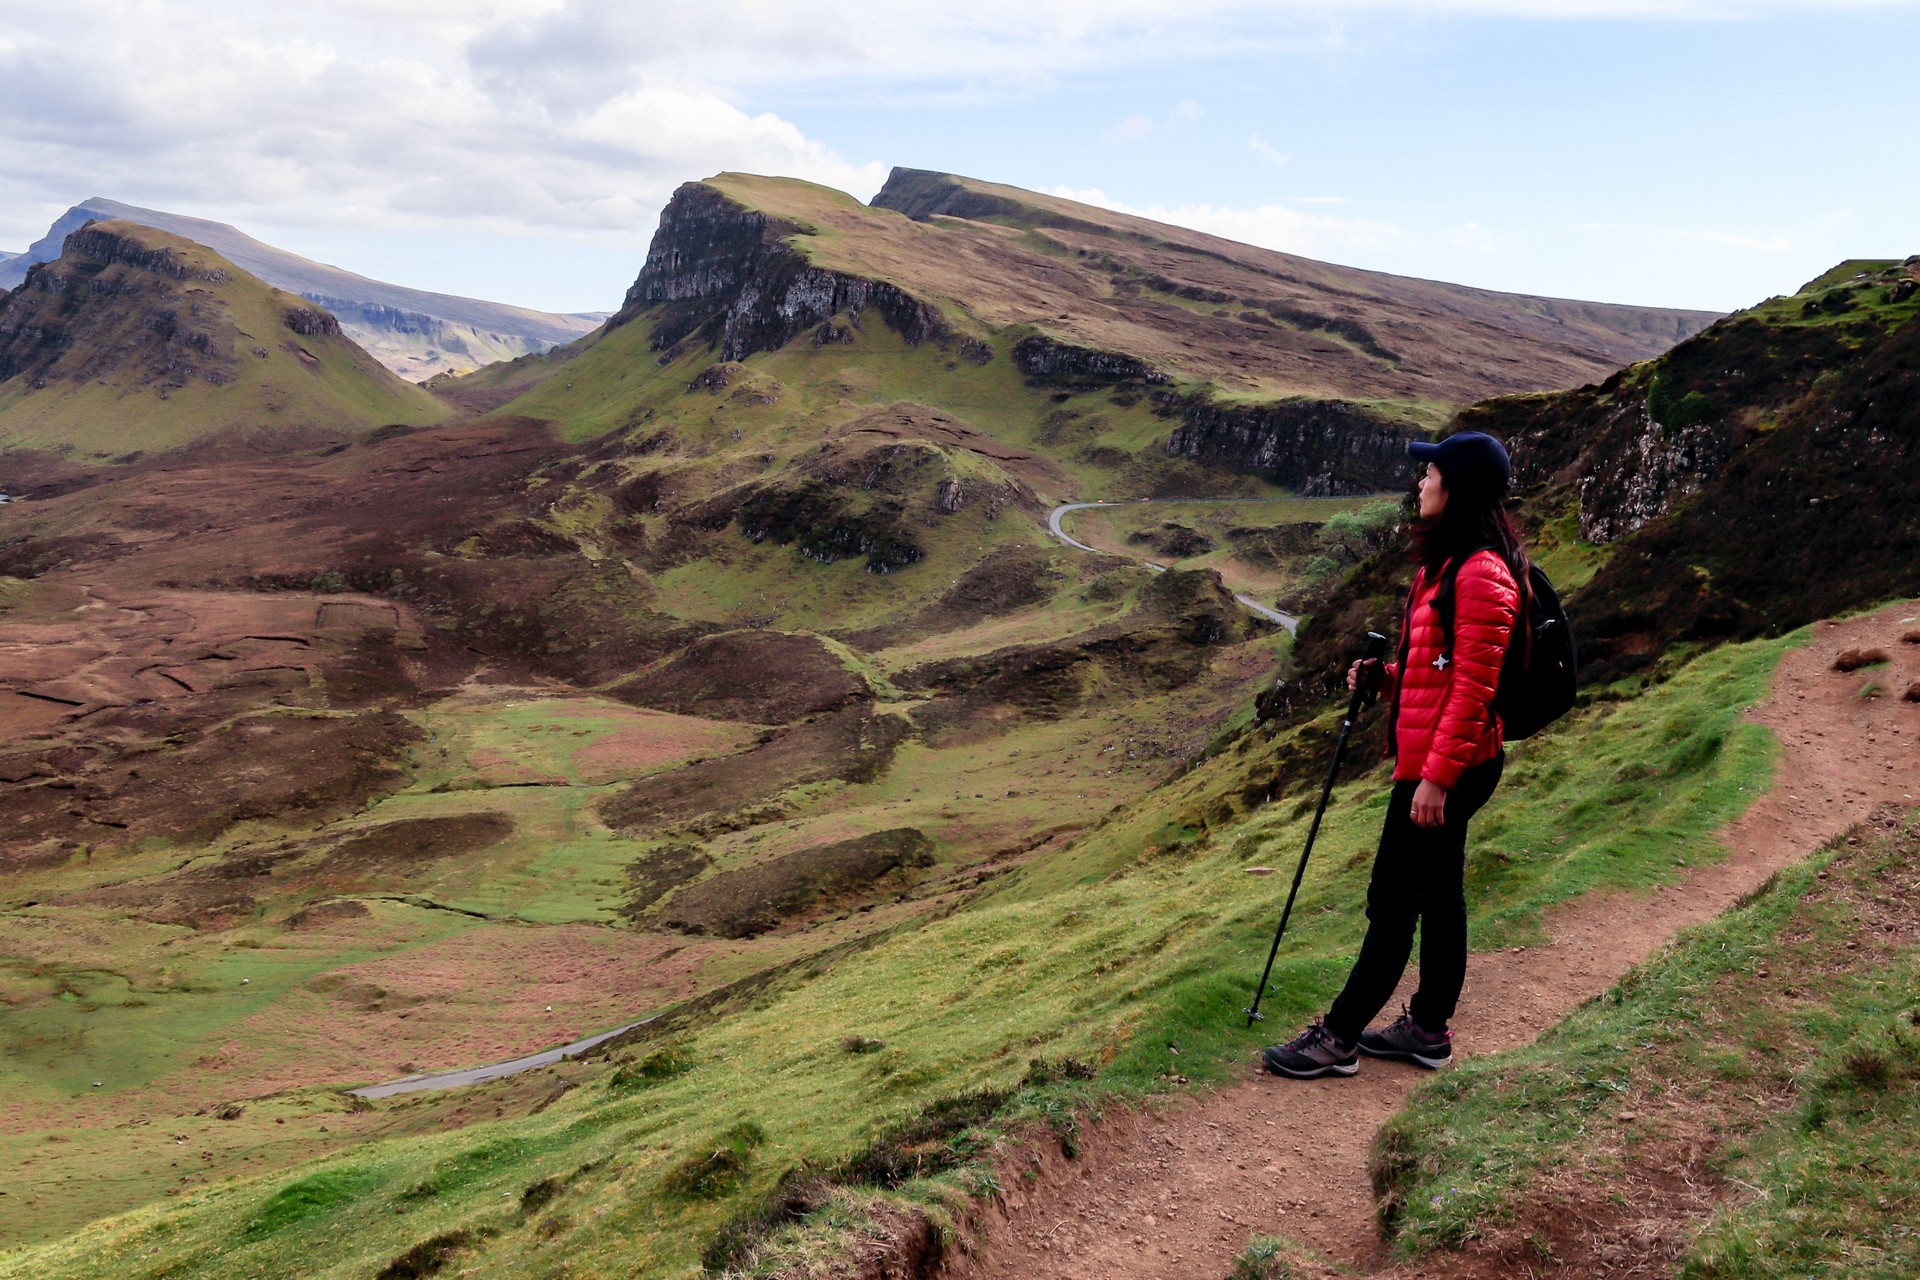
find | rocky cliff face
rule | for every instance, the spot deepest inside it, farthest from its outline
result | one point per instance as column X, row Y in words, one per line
column 725, row 274
column 1637, row 445
column 1057, row 363
column 101, row 247
column 1319, row 447
column 66, row 320
column 1760, row 476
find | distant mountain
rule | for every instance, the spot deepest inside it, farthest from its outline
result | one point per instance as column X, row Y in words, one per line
column 1236, row 358
column 136, row 342
column 1381, row 334
column 6, row 256
column 415, row 333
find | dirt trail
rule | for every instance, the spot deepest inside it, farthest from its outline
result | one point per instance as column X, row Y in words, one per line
column 1178, row 1194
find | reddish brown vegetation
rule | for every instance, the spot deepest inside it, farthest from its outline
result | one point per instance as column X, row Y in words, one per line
column 1854, row 659
column 768, row 677
column 849, row 745
column 740, row 904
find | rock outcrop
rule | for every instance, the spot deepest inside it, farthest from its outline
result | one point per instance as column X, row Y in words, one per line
column 104, row 247
column 1045, row 360
column 732, row 277
column 1757, row 477
column 1319, row 448
column 57, row 325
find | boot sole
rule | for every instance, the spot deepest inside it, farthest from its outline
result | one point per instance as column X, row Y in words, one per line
column 1330, row 1069
column 1407, row 1055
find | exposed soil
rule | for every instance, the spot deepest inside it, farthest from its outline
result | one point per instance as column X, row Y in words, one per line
column 849, row 745
column 1007, row 580
column 1177, row 1192
column 740, row 904
column 180, row 714
column 767, row 677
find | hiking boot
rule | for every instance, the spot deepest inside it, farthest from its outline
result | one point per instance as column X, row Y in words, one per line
column 1314, row 1052
column 1404, row 1040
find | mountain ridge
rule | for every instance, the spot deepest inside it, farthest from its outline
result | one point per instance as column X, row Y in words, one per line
column 397, row 324
column 137, row 341
column 1243, row 361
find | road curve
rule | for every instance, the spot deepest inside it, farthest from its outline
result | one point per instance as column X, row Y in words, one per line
column 514, row 1066
column 1054, row 517
column 493, row 1070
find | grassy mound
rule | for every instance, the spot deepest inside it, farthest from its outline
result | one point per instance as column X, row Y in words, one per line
column 1769, row 1064
column 136, row 341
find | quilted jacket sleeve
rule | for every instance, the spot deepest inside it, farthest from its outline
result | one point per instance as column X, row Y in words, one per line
column 1486, row 602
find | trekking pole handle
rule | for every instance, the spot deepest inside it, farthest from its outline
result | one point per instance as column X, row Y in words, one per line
column 1367, row 687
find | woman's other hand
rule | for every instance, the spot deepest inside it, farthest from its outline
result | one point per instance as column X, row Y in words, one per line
column 1353, row 672
column 1429, row 804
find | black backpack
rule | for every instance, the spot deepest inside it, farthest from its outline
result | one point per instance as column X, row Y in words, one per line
column 1542, row 667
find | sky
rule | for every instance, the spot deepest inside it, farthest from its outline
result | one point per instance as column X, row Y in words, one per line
column 1685, row 153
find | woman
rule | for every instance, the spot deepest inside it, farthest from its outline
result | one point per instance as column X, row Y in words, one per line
column 1445, row 738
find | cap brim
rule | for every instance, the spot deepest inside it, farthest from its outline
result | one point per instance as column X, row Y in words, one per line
column 1422, row 450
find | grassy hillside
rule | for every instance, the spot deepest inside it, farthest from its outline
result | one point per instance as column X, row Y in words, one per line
column 720, row 666
column 1096, row 340
column 1758, row 476
column 1143, row 934
column 137, row 342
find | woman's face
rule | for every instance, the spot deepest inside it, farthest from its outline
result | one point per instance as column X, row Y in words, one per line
column 1433, row 494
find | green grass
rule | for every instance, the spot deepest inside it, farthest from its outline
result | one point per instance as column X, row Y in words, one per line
column 1837, row 299
column 1782, row 1039
column 1556, row 547
column 1142, row 938
column 335, row 389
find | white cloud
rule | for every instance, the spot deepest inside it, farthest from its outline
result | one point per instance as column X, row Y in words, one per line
column 1267, row 151
column 1132, row 129
column 372, row 117
column 1274, row 226
column 1727, row 239
column 1471, row 237
column 576, row 118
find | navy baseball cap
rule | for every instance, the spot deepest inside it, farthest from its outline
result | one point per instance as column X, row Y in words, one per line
column 1470, row 461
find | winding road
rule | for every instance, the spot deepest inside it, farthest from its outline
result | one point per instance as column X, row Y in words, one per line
column 1286, row 620
column 493, row 1070
column 514, row 1066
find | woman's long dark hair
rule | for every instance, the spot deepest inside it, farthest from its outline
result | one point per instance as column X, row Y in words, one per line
column 1473, row 520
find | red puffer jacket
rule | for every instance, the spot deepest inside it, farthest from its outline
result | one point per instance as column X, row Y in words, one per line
column 1444, row 722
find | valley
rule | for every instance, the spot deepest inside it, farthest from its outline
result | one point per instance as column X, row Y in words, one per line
column 750, row 678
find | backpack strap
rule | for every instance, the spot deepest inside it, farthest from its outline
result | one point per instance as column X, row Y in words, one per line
column 1443, row 599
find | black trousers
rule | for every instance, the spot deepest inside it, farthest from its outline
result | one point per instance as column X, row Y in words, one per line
column 1419, row 877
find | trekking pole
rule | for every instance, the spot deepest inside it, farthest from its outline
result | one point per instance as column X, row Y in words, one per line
column 1364, row 687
